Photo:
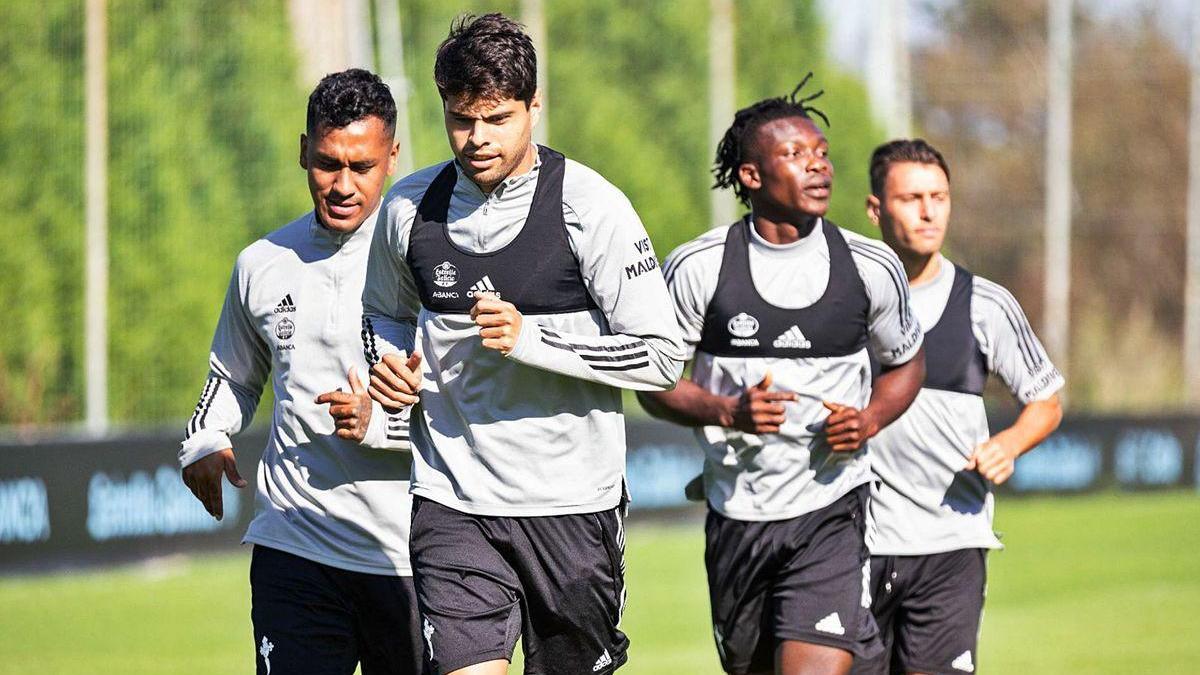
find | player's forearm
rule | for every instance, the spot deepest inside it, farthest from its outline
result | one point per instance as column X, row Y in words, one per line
column 384, row 334
column 689, row 405
column 1037, row 420
column 895, row 390
column 626, row 361
column 224, row 409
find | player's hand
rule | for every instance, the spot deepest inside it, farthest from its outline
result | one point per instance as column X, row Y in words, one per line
column 758, row 410
column 994, row 460
column 847, row 428
column 351, row 411
column 499, row 322
column 395, row 381
column 203, row 478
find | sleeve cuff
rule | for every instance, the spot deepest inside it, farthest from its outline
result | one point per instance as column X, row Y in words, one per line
column 378, row 436
column 527, row 342
column 202, row 444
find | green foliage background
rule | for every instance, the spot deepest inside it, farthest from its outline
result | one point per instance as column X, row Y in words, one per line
column 205, row 107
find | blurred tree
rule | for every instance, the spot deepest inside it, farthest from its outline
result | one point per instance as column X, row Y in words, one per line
column 205, row 118
column 980, row 97
column 41, row 160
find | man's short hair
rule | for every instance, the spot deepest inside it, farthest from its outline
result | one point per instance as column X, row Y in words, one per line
column 349, row 96
column 915, row 150
column 486, row 58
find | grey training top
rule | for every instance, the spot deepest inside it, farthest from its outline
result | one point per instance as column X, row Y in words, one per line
column 924, row 502
column 541, row 431
column 293, row 311
column 778, row 476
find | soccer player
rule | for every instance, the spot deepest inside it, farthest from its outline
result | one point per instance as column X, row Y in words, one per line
column 932, row 506
column 535, row 296
column 781, row 311
column 330, row 576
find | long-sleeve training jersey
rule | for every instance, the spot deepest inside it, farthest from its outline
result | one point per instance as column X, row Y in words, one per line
column 807, row 312
column 293, row 311
column 540, row 431
column 924, row 501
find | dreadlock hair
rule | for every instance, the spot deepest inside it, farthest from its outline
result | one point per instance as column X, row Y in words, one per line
column 732, row 150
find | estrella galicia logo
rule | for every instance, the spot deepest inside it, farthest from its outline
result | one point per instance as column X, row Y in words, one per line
column 285, row 329
column 743, row 325
column 445, row 275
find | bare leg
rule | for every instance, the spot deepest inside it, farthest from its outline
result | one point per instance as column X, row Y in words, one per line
column 804, row 658
column 496, row 667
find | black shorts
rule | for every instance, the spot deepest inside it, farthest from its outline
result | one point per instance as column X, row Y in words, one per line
column 800, row 579
column 928, row 608
column 557, row 582
column 313, row 618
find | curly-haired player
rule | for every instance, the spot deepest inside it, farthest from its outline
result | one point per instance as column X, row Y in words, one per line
column 781, row 311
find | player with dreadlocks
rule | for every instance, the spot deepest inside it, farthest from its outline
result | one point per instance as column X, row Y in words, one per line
column 781, row 312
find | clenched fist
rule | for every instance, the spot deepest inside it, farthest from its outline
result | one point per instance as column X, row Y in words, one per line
column 499, row 322
column 395, row 381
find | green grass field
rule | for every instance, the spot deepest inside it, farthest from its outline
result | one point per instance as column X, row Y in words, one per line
column 1103, row 584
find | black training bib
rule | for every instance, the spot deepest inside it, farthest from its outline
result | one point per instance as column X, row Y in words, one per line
column 953, row 359
column 740, row 323
column 536, row 271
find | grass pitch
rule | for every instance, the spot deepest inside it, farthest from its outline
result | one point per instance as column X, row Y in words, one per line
column 1098, row 584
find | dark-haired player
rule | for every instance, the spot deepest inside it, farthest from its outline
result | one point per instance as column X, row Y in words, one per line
column 330, row 576
column 535, row 297
column 932, row 506
column 781, row 310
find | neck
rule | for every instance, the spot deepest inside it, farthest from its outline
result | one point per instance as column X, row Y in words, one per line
column 920, row 268
column 777, row 228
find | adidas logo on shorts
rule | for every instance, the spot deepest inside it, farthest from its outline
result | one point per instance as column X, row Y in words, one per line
column 792, row 338
column 963, row 662
column 831, row 624
column 603, row 662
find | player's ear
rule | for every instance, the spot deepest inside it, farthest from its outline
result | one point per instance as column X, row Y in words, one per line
column 304, row 151
column 535, row 108
column 873, row 209
column 749, row 176
column 393, row 157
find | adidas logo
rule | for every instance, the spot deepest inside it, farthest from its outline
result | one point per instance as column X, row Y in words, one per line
column 831, row 624
column 605, row 660
column 963, row 662
column 484, row 285
column 792, row 338
column 285, row 305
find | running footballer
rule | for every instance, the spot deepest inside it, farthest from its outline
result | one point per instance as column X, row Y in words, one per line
column 781, row 311
column 932, row 505
column 534, row 294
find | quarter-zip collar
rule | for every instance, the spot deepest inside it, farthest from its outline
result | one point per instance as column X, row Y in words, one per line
column 512, row 187
column 323, row 236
